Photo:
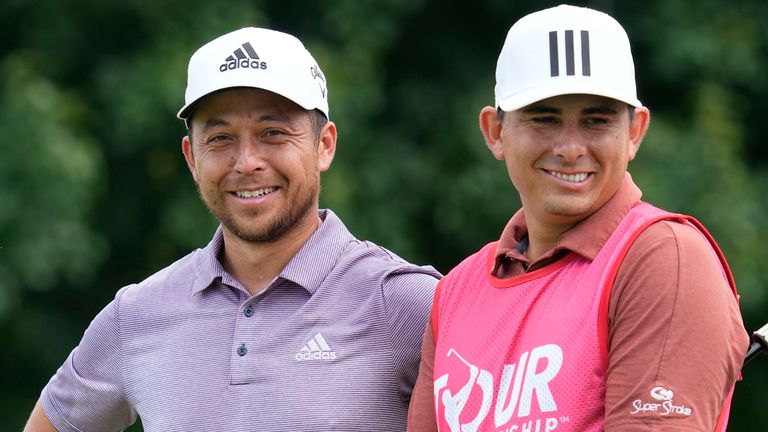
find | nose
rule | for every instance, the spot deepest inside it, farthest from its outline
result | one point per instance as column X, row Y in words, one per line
column 570, row 146
column 248, row 158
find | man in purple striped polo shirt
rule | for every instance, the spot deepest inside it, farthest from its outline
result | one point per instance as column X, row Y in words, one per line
column 284, row 321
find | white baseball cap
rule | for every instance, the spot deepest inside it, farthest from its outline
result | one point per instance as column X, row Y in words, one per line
column 564, row 50
column 258, row 58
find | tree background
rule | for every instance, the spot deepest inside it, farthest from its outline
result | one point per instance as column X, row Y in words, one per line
column 94, row 193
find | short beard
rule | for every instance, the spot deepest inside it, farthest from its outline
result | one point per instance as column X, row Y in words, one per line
column 278, row 228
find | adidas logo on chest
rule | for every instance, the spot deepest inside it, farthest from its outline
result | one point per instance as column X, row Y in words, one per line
column 316, row 349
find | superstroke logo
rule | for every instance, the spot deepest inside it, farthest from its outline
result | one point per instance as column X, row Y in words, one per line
column 516, row 387
column 664, row 406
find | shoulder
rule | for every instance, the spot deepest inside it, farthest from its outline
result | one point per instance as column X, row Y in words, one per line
column 454, row 287
column 403, row 285
column 360, row 258
column 175, row 279
column 684, row 235
column 668, row 243
column 378, row 260
column 403, row 281
column 409, row 290
column 673, row 261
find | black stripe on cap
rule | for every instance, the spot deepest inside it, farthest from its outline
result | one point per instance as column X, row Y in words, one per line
column 585, row 66
column 570, row 68
column 554, row 65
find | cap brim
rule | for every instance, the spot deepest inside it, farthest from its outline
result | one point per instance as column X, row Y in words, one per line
column 186, row 111
column 525, row 98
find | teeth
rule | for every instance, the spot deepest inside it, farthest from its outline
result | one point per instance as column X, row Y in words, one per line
column 573, row 178
column 255, row 193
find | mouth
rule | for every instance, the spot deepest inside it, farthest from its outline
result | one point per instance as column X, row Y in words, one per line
column 257, row 193
column 570, row 178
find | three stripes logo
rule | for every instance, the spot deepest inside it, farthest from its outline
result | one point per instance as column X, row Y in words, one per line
column 316, row 349
column 244, row 57
column 570, row 53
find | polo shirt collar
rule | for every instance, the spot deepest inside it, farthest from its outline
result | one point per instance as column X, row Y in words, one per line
column 318, row 256
column 585, row 239
column 308, row 268
column 209, row 269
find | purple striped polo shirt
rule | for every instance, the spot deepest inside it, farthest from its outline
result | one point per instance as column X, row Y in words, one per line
column 332, row 344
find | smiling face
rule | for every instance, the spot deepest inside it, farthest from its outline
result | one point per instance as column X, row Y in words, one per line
column 257, row 159
column 565, row 155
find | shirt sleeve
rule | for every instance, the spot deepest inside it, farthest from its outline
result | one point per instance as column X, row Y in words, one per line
column 86, row 393
column 676, row 337
column 407, row 298
column 421, row 413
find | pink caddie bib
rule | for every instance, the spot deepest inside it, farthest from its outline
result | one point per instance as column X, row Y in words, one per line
column 529, row 353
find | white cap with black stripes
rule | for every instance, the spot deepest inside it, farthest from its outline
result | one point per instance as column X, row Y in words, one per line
column 565, row 50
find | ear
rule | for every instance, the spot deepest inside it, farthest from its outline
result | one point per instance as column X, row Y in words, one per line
column 189, row 156
column 491, row 127
column 326, row 146
column 637, row 129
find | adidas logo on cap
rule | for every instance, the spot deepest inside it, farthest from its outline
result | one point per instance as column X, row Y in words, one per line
column 238, row 59
column 255, row 58
column 316, row 349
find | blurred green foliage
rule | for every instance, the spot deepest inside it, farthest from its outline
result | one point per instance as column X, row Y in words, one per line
column 94, row 193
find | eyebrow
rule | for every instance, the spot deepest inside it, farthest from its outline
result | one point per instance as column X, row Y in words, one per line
column 540, row 109
column 544, row 109
column 600, row 109
column 214, row 122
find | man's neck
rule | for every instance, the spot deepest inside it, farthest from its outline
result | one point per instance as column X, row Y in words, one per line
column 255, row 265
column 544, row 237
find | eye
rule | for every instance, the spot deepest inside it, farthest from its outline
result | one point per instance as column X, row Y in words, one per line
column 596, row 121
column 273, row 132
column 544, row 120
column 218, row 138
column 274, row 135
